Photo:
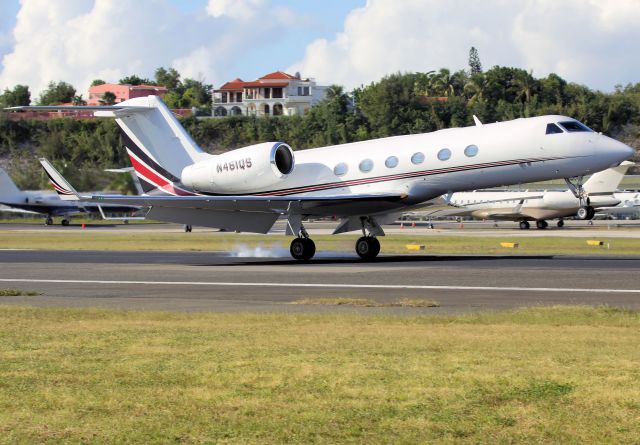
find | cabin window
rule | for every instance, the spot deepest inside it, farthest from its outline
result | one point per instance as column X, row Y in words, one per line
column 574, row 126
column 391, row 162
column 340, row 169
column 471, row 151
column 444, row 154
column 553, row 129
column 366, row 165
column 417, row 158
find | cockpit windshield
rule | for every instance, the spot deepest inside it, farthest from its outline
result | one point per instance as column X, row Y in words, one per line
column 553, row 129
column 574, row 126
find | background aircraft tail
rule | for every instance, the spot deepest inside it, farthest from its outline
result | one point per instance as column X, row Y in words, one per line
column 158, row 146
column 9, row 192
column 607, row 181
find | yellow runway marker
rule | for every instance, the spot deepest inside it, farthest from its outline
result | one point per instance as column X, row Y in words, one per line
column 510, row 245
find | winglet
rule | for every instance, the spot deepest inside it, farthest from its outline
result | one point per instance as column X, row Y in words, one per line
column 477, row 121
column 64, row 189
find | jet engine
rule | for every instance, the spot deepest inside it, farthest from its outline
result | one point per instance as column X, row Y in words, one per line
column 246, row 170
column 560, row 200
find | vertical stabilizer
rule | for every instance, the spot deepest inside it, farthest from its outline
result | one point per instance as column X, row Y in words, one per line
column 607, row 181
column 158, row 146
column 9, row 192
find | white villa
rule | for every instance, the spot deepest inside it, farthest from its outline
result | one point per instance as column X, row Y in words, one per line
column 275, row 94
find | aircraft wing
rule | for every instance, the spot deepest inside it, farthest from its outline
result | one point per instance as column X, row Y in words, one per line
column 247, row 213
column 241, row 213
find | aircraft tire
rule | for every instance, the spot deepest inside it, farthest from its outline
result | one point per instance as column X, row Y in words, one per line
column 367, row 247
column 524, row 225
column 48, row 221
column 591, row 212
column 188, row 228
column 541, row 224
column 560, row 223
column 583, row 212
column 65, row 222
column 302, row 249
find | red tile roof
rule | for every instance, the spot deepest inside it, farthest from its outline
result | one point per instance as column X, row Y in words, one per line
column 235, row 84
column 257, row 83
column 277, row 75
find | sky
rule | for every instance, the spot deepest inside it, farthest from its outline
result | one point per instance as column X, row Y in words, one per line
column 345, row 42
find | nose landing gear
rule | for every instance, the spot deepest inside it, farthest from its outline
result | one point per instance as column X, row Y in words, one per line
column 585, row 211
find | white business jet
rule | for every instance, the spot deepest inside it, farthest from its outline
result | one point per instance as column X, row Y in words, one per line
column 365, row 184
column 540, row 206
column 51, row 205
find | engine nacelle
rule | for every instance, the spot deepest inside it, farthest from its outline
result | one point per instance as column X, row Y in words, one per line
column 560, row 200
column 245, row 170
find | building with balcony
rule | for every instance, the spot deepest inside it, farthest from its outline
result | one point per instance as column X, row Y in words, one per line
column 276, row 94
column 123, row 92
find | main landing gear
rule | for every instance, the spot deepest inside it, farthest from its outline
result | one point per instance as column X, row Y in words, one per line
column 302, row 248
column 585, row 211
column 367, row 247
column 541, row 224
column 524, row 225
column 48, row 221
column 65, row 222
column 561, row 222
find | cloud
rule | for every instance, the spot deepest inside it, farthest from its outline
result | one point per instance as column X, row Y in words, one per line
column 587, row 41
column 79, row 40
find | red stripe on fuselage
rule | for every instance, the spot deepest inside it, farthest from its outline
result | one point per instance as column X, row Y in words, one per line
column 160, row 181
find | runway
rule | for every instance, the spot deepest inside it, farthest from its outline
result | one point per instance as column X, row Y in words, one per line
column 202, row 281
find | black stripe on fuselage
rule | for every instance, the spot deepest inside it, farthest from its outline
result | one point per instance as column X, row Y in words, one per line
column 130, row 145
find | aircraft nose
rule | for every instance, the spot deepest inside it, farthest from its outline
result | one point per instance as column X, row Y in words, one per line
column 620, row 150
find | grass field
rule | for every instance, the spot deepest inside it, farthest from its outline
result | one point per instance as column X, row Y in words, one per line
column 230, row 242
column 552, row 375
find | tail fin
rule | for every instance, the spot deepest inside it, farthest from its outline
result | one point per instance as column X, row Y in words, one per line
column 158, row 146
column 64, row 189
column 9, row 192
column 607, row 181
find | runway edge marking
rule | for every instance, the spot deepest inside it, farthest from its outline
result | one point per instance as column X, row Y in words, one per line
column 321, row 285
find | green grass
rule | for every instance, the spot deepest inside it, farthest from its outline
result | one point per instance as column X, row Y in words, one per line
column 214, row 241
column 366, row 302
column 548, row 375
column 16, row 293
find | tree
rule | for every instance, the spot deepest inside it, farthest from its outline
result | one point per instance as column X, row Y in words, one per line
column 97, row 82
column 78, row 100
column 168, row 78
column 108, row 98
column 57, row 93
column 474, row 61
column 20, row 95
column 135, row 80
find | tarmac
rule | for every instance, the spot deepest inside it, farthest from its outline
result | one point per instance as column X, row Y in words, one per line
column 219, row 282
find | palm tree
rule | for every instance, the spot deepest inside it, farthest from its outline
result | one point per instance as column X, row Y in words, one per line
column 523, row 86
column 443, row 83
column 78, row 100
column 475, row 88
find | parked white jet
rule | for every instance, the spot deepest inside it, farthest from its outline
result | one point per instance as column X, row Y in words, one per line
column 363, row 183
column 50, row 204
column 540, row 206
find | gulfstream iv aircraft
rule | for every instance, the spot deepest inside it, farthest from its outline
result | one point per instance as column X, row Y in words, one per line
column 365, row 184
